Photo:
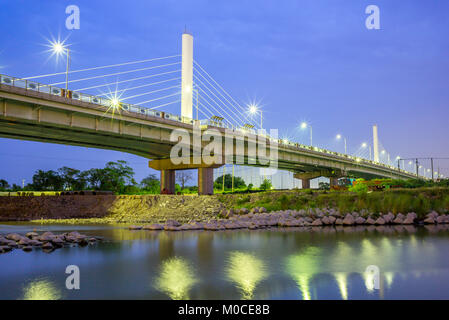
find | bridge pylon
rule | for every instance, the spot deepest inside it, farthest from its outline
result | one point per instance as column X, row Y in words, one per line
column 187, row 76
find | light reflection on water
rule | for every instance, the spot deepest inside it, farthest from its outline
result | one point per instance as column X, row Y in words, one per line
column 263, row 264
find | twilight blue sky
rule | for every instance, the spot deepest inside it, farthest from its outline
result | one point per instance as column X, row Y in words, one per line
column 308, row 60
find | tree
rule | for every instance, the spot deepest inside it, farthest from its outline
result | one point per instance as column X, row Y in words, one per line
column 183, row 176
column 151, row 184
column 324, row 186
column 266, row 185
column 114, row 177
column 47, row 180
column 73, row 179
column 4, row 185
column 238, row 182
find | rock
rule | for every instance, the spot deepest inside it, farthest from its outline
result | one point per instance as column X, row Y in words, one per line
column 389, row 217
column 429, row 220
column 254, row 210
column 24, row 241
column 398, row 220
column 360, row 220
column 412, row 215
column 433, row 215
column 35, row 243
column 47, row 234
column 171, row 228
column 154, row 226
column 332, row 219
column 4, row 249
column 27, row 248
column 14, row 236
column 317, row 222
column 338, row 222
column 262, row 210
column 135, row 227
column 173, row 223
column 400, row 215
column 370, row 221
column 380, row 221
column 325, row 221
column 348, row 220
column 229, row 213
column 441, row 219
column 57, row 242
column 244, row 211
column 31, row 235
column 408, row 220
column 47, row 246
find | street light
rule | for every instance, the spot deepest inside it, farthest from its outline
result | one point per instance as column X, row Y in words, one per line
column 304, row 125
column 253, row 109
column 59, row 48
column 364, row 145
column 339, row 136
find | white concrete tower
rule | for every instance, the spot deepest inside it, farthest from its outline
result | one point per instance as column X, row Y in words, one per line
column 187, row 76
column 376, row 144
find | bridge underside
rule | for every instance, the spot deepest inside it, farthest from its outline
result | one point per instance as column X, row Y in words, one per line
column 33, row 116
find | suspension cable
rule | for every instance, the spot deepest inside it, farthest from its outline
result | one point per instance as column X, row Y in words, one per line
column 138, row 87
column 100, row 67
column 149, row 92
column 117, row 73
column 129, row 80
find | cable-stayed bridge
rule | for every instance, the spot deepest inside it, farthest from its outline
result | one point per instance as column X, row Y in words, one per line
column 135, row 106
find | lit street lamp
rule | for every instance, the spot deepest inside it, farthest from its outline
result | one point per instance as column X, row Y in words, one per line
column 253, row 109
column 304, row 125
column 59, row 49
column 339, row 136
column 364, row 145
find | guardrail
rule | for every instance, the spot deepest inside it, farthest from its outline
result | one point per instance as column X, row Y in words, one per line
column 79, row 96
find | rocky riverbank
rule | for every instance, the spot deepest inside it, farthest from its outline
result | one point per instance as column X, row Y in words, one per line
column 46, row 241
column 259, row 218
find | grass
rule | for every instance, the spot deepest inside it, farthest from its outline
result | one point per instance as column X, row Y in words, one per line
column 420, row 200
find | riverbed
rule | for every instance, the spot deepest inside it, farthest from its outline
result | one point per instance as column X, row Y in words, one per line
column 290, row 263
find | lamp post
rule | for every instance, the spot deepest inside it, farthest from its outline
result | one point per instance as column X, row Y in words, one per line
column 304, row 125
column 59, row 49
column 364, row 145
column 339, row 136
column 253, row 109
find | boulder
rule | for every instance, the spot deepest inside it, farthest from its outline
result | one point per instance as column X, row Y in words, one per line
column 429, row 220
column 27, row 248
column 254, row 210
column 400, row 215
column 380, row 221
column 317, row 222
column 408, row 220
column 24, row 241
column 57, row 242
column 47, row 246
column 14, row 236
column 32, row 235
column 244, row 211
column 370, row 221
column 325, row 221
column 441, row 219
column 398, row 220
column 338, row 222
column 135, row 227
column 262, row 210
column 433, row 215
column 332, row 219
column 348, row 220
column 412, row 215
column 173, row 223
column 4, row 249
column 360, row 220
column 389, row 217
column 154, row 226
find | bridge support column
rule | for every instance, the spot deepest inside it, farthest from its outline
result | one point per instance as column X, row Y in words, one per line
column 205, row 181
column 305, row 183
column 168, row 181
column 333, row 181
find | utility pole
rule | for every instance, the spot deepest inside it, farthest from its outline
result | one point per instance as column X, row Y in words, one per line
column 431, row 165
column 417, row 167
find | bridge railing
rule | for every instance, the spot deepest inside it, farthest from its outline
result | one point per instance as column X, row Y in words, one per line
column 109, row 104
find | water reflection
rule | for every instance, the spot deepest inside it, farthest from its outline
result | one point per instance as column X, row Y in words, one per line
column 176, row 278
column 302, row 268
column 342, row 282
column 41, row 290
column 246, row 270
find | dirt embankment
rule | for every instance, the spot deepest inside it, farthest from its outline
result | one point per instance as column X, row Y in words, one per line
column 110, row 209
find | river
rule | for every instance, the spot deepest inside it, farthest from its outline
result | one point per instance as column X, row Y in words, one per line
column 323, row 263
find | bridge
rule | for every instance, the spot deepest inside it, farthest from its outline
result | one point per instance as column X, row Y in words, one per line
column 33, row 111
